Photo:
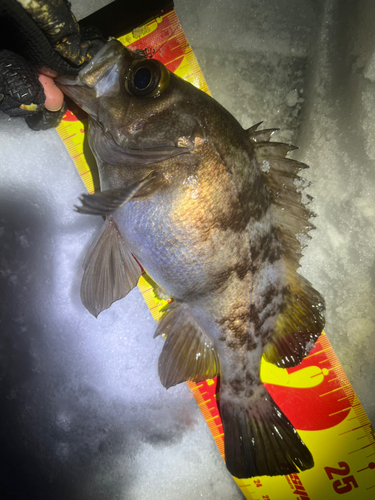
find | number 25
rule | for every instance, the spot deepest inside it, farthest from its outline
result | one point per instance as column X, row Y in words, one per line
column 345, row 484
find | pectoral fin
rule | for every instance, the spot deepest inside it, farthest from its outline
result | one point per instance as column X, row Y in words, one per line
column 188, row 354
column 107, row 202
column 110, row 270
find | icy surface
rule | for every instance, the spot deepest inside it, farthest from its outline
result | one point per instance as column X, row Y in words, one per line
column 83, row 413
column 83, row 8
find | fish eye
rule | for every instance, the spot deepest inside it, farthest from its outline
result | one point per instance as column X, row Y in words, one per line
column 147, row 78
column 142, row 78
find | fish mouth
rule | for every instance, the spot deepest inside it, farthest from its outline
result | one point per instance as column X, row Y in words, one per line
column 89, row 75
column 63, row 81
column 97, row 78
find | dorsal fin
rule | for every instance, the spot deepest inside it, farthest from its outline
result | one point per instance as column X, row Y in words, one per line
column 263, row 135
column 253, row 129
column 273, row 149
column 281, row 175
column 301, row 320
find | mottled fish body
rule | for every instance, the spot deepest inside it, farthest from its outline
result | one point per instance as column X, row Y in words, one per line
column 212, row 212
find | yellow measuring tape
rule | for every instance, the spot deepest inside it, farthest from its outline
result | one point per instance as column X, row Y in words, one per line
column 316, row 396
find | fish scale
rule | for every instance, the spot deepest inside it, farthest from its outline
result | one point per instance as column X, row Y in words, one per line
column 346, row 465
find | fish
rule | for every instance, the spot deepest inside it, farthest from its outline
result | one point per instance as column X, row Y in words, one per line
column 214, row 214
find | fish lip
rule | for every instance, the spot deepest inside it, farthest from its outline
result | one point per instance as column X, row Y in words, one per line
column 67, row 80
column 112, row 47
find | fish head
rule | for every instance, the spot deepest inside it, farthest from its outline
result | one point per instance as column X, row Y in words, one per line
column 140, row 112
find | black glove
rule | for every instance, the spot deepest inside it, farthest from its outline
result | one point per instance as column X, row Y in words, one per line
column 43, row 34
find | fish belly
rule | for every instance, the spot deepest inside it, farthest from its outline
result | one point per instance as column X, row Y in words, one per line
column 189, row 236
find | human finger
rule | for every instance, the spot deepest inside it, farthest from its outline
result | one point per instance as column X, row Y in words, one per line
column 54, row 96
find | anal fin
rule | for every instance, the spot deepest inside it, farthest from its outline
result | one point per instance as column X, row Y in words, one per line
column 110, row 270
column 187, row 354
column 259, row 439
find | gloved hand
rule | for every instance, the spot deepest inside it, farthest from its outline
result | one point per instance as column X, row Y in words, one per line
column 41, row 34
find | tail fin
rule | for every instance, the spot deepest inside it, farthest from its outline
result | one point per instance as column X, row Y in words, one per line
column 259, row 439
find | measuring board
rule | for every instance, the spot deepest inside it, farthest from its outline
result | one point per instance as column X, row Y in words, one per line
column 316, row 396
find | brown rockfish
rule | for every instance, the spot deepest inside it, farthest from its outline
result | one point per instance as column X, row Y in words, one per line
column 213, row 214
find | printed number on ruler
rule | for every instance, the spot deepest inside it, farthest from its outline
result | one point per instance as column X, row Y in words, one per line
column 345, row 484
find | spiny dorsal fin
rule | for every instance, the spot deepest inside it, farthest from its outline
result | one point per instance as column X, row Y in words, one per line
column 107, row 202
column 301, row 319
column 273, row 149
column 292, row 216
column 110, row 270
column 253, row 128
column 262, row 135
column 187, row 353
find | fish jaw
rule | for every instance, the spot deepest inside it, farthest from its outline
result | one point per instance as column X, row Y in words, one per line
column 99, row 78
